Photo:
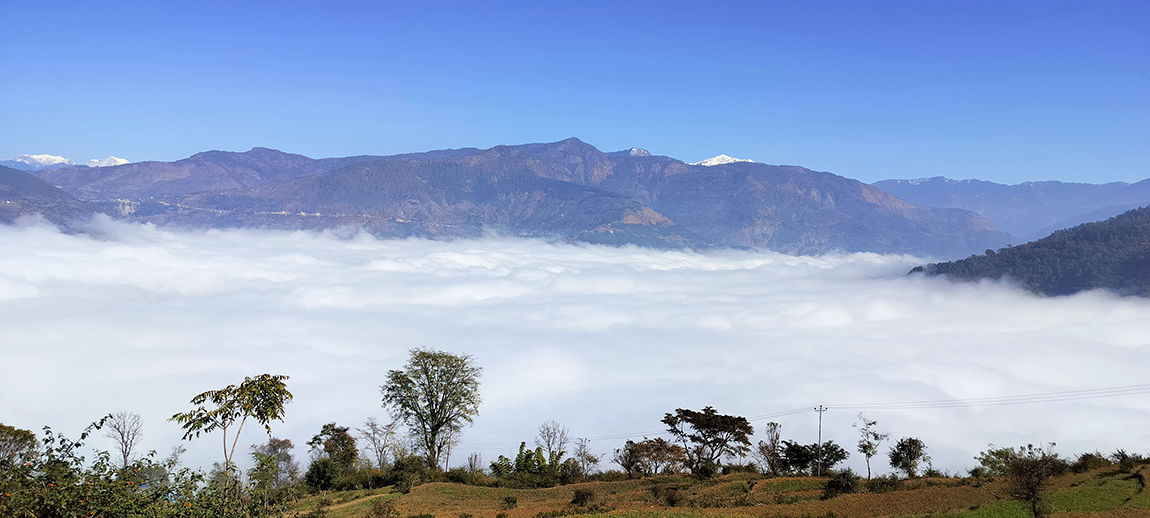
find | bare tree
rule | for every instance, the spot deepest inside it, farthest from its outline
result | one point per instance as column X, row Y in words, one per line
column 553, row 438
column 125, row 428
column 380, row 440
column 475, row 463
column 767, row 452
column 588, row 461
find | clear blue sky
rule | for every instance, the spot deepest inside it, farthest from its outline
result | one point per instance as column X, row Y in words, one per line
column 1007, row 91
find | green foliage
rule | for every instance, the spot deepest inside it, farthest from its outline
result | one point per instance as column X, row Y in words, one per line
column 61, row 483
column 16, row 444
column 843, row 482
column 261, row 398
column 651, row 457
column 509, row 502
column 907, row 455
column 869, row 439
column 806, row 459
column 996, row 461
column 1089, row 461
column 337, row 444
column 435, row 394
column 322, row 473
column 708, row 436
column 884, row 484
column 582, row 497
column 1111, row 254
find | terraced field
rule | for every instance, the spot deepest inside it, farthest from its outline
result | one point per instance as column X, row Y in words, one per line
column 1100, row 493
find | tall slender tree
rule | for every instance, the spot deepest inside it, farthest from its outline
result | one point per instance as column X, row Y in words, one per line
column 869, row 439
column 126, row 429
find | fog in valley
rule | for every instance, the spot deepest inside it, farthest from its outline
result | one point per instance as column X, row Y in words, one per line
column 604, row 340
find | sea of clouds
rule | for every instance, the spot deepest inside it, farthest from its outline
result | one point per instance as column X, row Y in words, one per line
column 604, row 340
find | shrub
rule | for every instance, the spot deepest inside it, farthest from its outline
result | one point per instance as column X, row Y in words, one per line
column 383, row 508
column 321, row 474
column 884, row 484
column 583, row 497
column 749, row 467
column 510, row 502
column 1089, row 461
column 705, row 470
column 843, row 482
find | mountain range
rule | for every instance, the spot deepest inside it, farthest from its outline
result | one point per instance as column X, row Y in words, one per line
column 1028, row 210
column 567, row 190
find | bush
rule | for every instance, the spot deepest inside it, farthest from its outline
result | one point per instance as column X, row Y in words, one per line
column 1089, row 461
column 705, row 470
column 383, row 508
column 583, row 497
column 884, row 484
column 843, row 482
column 321, row 474
column 749, row 467
column 510, row 502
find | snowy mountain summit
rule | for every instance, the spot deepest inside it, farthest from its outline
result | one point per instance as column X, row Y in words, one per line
column 106, row 162
column 37, row 162
column 639, row 152
column 720, row 160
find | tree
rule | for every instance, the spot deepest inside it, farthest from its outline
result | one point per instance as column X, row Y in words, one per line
column 588, row 461
column 434, row 394
column 767, row 452
column 287, row 469
column 124, row 428
column 869, row 439
column 337, row 445
column 1028, row 473
column 380, row 440
column 16, row 444
column 803, row 458
column 708, row 436
column 553, row 438
column 907, row 454
column 651, row 457
column 261, row 398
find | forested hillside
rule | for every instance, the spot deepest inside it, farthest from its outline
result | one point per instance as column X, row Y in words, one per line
column 1112, row 254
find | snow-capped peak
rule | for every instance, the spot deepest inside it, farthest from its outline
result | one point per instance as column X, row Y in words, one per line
column 40, row 161
column 106, row 162
column 720, row 160
column 639, row 152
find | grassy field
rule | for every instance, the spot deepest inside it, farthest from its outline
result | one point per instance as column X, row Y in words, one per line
column 1101, row 493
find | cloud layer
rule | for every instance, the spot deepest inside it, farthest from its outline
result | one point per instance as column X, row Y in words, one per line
column 604, row 340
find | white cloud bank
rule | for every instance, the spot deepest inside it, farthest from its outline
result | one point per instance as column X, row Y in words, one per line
column 602, row 339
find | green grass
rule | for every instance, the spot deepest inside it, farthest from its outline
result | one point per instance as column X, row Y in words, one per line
column 999, row 509
column 1096, row 495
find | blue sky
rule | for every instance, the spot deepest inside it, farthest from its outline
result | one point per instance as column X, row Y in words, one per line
column 1006, row 91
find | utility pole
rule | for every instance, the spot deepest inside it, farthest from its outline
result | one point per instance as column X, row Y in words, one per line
column 819, row 447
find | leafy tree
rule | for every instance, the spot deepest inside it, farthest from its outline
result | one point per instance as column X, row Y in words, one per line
column 803, row 458
column 124, row 428
column 708, row 436
column 869, row 439
column 16, row 444
column 337, row 444
column 261, row 398
column 907, row 454
column 650, row 457
column 435, row 393
column 321, row 474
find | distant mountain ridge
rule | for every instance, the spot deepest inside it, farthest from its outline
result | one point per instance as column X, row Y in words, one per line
column 567, row 190
column 1113, row 254
column 1028, row 210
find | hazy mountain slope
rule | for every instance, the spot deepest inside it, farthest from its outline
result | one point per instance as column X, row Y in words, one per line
column 23, row 193
column 1112, row 254
column 436, row 198
column 207, row 171
column 784, row 208
column 1028, row 210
